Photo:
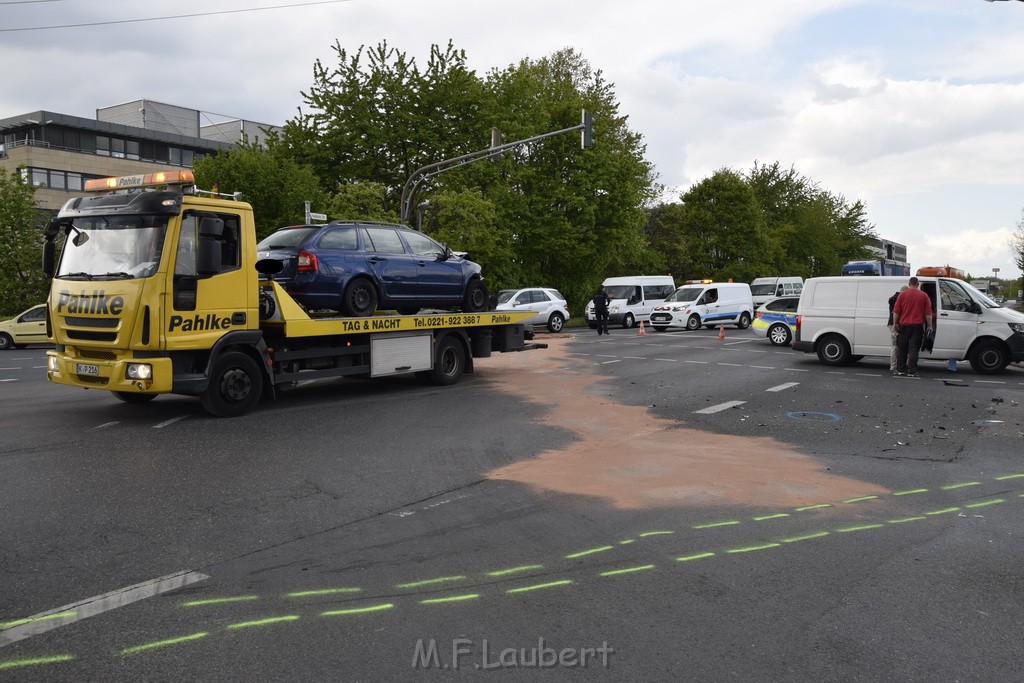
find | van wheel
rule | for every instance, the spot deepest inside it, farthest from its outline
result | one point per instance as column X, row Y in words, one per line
column 780, row 335
column 629, row 321
column 236, row 385
column 833, row 349
column 744, row 322
column 693, row 323
column 989, row 358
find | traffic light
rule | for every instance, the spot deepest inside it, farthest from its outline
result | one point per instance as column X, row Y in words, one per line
column 587, row 133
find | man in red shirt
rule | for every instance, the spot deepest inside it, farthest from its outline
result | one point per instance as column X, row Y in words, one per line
column 912, row 318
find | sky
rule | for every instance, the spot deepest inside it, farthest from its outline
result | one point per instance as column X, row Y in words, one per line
column 915, row 107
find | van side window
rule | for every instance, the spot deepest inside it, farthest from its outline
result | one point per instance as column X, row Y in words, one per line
column 657, row 291
column 711, row 296
column 954, row 298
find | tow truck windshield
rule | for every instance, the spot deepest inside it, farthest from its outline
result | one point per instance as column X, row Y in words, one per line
column 117, row 248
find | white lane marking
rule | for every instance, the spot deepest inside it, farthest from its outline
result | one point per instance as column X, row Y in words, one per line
column 868, row 374
column 606, row 362
column 17, row 368
column 635, row 357
column 719, row 408
column 783, row 387
column 763, row 367
column 170, row 422
column 702, row 362
column 741, row 341
column 834, row 372
column 8, row 380
column 731, row 365
column 796, row 370
column 988, row 381
column 670, row 360
column 105, row 424
column 756, row 351
column 90, row 607
column 605, row 355
column 38, row 367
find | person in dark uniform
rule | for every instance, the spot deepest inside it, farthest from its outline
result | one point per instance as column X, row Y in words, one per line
column 601, row 310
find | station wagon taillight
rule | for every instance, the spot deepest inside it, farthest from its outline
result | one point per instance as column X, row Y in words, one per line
column 306, row 262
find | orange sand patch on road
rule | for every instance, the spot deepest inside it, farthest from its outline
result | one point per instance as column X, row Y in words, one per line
column 636, row 460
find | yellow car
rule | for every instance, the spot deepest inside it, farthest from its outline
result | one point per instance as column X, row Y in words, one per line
column 27, row 328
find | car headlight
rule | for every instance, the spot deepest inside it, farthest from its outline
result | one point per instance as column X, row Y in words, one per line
column 1017, row 327
column 614, row 309
column 139, row 371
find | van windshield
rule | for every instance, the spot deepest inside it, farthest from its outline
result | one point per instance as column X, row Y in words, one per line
column 619, row 291
column 685, row 294
column 763, row 290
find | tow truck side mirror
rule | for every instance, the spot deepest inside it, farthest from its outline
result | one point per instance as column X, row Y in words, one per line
column 49, row 257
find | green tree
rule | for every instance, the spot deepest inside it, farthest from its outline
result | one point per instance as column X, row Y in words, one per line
column 724, row 229
column 22, row 282
column 361, row 200
column 1017, row 243
column 275, row 184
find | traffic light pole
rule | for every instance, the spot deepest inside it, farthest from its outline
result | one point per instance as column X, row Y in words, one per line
column 431, row 170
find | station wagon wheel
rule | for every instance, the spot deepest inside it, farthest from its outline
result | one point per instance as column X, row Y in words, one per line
column 360, row 298
column 555, row 322
column 693, row 322
column 779, row 334
column 6, row 341
column 475, row 300
column 744, row 322
column 833, row 349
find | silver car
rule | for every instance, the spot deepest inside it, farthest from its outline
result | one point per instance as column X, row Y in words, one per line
column 549, row 306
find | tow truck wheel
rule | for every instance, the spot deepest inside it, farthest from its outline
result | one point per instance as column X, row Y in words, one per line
column 129, row 397
column 360, row 298
column 476, row 297
column 236, row 385
column 6, row 341
column 449, row 362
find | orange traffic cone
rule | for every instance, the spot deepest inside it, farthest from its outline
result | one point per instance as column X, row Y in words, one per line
column 721, row 333
column 641, row 332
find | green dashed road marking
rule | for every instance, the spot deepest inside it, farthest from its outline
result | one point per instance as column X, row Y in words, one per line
column 430, row 582
column 515, row 570
column 454, row 598
column 906, row 519
column 861, row 499
column 263, row 622
column 752, row 548
column 539, row 586
column 986, row 503
column 34, row 661
column 357, row 610
column 698, row 556
column 627, row 541
column 712, row 525
column 32, row 620
column 163, row 643
column 813, row 507
column 321, row 591
column 860, row 527
column 220, row 601
column 950, row 487
column 910, row 492
column 655, row 533
column 1010, row 476
column 778, row 515
column 628, row 570
column 944, row 511
column 584, row 553
column 805, row 537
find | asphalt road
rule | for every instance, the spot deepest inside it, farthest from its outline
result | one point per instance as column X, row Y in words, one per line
column 664, row 507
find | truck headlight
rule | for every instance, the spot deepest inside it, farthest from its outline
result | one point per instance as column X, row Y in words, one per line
column 52, row 364
column 139, row 371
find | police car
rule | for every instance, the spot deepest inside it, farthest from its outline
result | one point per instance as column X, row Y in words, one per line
column 776, row 320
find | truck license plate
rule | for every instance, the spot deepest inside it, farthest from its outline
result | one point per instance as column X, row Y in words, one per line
column 85, row 369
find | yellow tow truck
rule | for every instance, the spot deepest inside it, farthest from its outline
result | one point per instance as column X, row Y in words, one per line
column 158, row 289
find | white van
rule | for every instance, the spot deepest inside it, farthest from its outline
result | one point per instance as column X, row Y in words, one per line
column 764, row 289
column 631, row 298
column 843, row 319
column 709, row 304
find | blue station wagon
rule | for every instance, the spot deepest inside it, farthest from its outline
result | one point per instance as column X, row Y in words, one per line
column 357, row 267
